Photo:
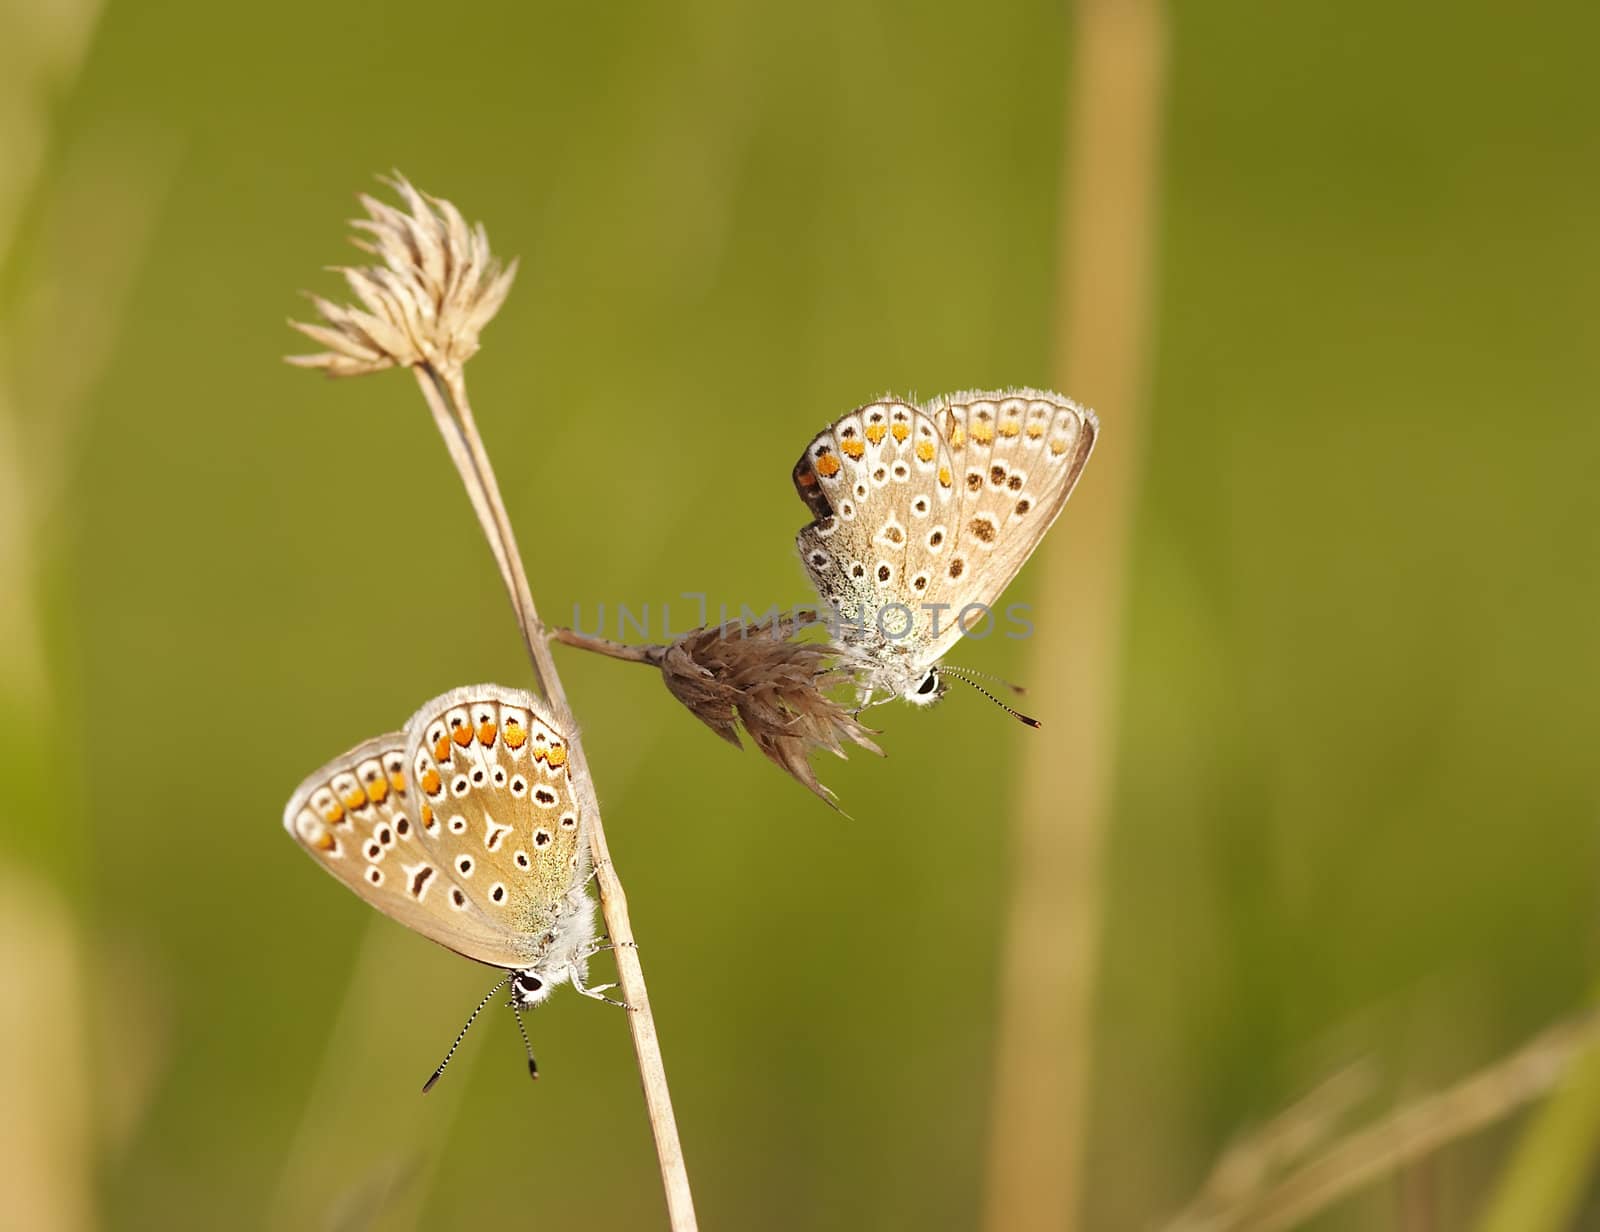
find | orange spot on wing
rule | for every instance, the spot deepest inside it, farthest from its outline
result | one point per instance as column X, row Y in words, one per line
column 828, row 466
column 806, row 479
column 333, row 814
column 431, row 783
column 854, row 448
column 558, row 755
column 982, row 433
column 398, row 779
column 325, row 842
column 875, row 433
column 378, row 789
column 427, row 815
column 901, row 431
column 1058, row 447
column 441, row 749
column 944, row 476
column 462, row 735
column 355, row 798
column 925, row 451
column 1035, row 431
column 1010, row 428
column 516, row 735
column 486, row 733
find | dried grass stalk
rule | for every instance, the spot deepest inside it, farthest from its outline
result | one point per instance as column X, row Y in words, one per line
column 423, row 308
column 1270, row 1201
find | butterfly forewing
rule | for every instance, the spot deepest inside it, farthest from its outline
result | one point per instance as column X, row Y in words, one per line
column 1016, row 458
column 497, row 809
column 359, row 817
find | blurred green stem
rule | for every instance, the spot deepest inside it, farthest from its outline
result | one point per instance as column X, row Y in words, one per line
column 1551, row 1168
column 1049, row 965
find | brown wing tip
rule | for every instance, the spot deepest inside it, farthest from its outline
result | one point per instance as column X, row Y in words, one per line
column 809, row 487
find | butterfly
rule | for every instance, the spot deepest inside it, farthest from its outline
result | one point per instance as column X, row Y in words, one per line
column 465, row 828
column 923, row 515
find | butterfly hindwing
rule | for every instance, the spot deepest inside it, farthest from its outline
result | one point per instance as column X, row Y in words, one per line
column 878, row 480
column 498, row 809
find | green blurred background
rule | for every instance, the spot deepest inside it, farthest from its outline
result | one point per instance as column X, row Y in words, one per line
column 1357, row 688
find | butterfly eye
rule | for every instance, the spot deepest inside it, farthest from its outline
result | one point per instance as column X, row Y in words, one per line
column 930, row 682
column 528, row 988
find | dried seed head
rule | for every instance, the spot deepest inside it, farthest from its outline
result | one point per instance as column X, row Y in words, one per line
column 777, row 687
column 437, row 287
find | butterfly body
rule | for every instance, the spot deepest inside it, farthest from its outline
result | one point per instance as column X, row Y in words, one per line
column 924, row 513
column 464, row 827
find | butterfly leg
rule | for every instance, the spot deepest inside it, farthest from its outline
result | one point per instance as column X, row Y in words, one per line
column 605, row 943
column 867, row 698
column 598, row 992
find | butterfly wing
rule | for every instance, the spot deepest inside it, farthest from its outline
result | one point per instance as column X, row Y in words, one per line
column 359, row 817
column 935, row 507
column 1015, row 458
column 498, row 811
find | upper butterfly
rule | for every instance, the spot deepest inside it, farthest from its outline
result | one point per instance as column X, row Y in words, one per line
column 465, row 828
column 925, row 513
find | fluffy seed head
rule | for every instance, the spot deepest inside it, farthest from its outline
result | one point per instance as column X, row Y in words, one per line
column 777, row 687
column 436, row 287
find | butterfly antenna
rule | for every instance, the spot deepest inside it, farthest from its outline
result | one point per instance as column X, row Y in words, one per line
column 1016, row 714
column 972, row 671
column 471, row 1018
column 533, row 1066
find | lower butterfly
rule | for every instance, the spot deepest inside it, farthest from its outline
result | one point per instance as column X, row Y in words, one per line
column 465, row 828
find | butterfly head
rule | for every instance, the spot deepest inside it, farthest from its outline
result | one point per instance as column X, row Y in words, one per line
column 530, row 988
column 926, row 690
